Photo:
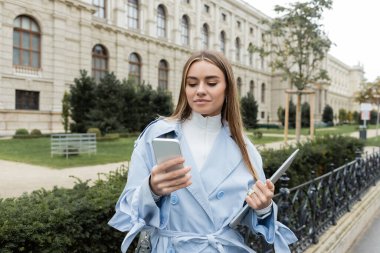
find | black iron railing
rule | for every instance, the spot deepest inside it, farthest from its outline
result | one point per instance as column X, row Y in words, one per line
column 311, row 208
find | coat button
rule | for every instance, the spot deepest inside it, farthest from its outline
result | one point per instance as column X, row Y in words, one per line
column 174, row 199
column 220, row 195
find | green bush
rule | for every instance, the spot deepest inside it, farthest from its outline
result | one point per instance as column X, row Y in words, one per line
column 63, row 220
column 94, row 131
column 257, row 134
column 22, row 131
column 315, row 155
column 36, row 133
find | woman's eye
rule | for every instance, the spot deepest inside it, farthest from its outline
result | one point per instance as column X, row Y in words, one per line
column 212, row 84
column 191, row 84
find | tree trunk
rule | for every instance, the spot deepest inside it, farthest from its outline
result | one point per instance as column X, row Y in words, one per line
column 298, row 117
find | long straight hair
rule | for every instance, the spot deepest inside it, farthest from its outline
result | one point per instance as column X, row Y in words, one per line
column 231, row 107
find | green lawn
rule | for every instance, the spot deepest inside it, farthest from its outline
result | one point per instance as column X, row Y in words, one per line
column 343, row 129
column 37, row 151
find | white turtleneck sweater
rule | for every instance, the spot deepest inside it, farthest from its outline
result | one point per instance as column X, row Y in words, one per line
column 200, row 133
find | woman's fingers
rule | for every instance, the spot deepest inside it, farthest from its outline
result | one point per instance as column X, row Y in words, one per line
column 261, row 196
column 163, row 180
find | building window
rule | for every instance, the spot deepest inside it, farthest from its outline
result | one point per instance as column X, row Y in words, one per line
column 251, row 87
column 205, row 38
column 99, row 62
column 185, row 31
column 238, row 24
column 250, row 53
column 206, row 8
column 135, row 68
column 263, row 93
column 237, row 49
column 161, row 22
column 224, row 17
column 27, row 100
column 26, row 42
column 263, row 115
column 133, row 14
column 163, row 75
column 239, row 84
column 100, row 6
column 223, row 42
column 251, row 30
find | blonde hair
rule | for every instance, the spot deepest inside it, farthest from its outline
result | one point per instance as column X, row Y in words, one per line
column 231, row 107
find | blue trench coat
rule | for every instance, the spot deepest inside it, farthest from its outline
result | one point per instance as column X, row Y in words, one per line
column 195, row 219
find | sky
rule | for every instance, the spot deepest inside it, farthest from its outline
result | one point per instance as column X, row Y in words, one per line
column 352, row 26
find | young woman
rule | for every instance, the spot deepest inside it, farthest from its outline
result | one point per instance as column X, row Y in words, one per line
column 189, row 210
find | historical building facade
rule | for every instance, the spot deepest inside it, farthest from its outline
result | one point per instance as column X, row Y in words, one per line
column 44, row 44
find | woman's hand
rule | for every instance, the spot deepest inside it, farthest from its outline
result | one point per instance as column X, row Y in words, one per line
column 261, row 195
column 163, row 182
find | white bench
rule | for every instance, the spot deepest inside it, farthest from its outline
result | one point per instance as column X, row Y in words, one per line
column 73, row 144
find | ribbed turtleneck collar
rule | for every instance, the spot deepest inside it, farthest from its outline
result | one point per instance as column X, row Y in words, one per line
column 209, row 123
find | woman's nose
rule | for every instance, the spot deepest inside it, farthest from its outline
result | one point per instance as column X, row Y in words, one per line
column 201, row 89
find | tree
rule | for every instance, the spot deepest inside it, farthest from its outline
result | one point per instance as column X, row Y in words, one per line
column 249, row 110
column 66, row 111
column 297, row 46
column 342, row 115
column 328, row 115
column 305, row 112
column 82, row 99
column 292, row 115
column 107, row 112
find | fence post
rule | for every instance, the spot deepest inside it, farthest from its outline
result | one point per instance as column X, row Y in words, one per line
column 284, row 203
column 313, row 200
column 333, row 192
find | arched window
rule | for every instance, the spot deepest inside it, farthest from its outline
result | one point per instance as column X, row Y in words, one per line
column 222, row 39
column 263, row 93
column 237, row 49
column 163, row 74
column 185, row 31
column 99, row 62
column 252, row 87
column 250, row 53
column 204, row 36
column 239, row 84
column 133, row 14
column 161, row 21
column 26, row 42
column 135, row 68
column 100, row 6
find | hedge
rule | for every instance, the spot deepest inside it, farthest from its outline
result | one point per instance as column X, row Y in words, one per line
column 63, row 220
column 315, row 156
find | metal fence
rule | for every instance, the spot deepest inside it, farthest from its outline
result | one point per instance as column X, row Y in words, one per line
column 311, row 208
column 73, row 144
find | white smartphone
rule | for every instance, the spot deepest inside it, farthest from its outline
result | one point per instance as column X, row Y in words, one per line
column 166, row 149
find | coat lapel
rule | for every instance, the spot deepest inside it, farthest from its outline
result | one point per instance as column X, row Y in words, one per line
column 224, row 157
column 197, row 187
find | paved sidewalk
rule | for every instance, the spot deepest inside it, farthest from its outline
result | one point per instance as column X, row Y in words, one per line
column 17, row 178
column 369, row 240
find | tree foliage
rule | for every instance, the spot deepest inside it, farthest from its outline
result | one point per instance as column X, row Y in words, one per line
column 305, row 112
column 296, row 42
column 328, row 115
column 112, row 105
column 249, row 110
column 66, row 111
column 292, row 115
column 82, row 99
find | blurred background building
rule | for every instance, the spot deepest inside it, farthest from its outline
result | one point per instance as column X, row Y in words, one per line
column 44, row 44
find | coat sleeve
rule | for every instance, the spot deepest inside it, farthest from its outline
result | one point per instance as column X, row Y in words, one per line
column 136, row 209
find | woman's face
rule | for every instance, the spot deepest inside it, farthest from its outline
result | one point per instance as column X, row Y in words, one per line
column 205, row 88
